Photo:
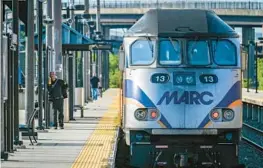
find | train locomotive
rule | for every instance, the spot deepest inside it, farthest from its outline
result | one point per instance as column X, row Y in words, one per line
column 181, row 85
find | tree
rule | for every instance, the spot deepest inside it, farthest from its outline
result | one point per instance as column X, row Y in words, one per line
column 114, row 72
column 260, row 73
column 260, row 76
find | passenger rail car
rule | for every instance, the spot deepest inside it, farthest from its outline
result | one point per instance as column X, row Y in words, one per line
column 181, row 74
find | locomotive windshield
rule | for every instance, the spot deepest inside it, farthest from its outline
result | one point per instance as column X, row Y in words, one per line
column 224, row 52
column 170, row 52
column 202, row 52
column 142, row 52
column 198, row 52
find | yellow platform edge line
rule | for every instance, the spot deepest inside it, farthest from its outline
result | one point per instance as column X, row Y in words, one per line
column 98, row 147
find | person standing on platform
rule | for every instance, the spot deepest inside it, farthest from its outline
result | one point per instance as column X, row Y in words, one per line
column 57, row 93
column 94, row 81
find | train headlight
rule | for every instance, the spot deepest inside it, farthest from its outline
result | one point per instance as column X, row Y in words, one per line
column 215, row 115
column 153, row 114
column 140, row 114
column 228, row 114
column 148, row 114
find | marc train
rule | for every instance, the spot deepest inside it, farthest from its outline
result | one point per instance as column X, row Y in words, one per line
column 181, row 82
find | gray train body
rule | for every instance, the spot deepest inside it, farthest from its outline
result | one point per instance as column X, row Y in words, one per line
column 182, row 105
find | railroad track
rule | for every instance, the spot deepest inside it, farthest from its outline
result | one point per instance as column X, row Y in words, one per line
column 253, row 136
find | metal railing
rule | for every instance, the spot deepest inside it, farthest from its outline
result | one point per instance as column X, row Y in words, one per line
column 183, row 4
column 31, row 125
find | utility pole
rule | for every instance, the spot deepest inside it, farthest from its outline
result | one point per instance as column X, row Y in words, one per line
column 99, row 61
column 65, row 78
column 15, row 41
column 57, row 36
column 30, row 60
column 49, row 32
column 56, row 40
column 80, row 68
column 86, row 74
column 10, row 100
column 1, row 96
column 65, row 58
column 106, row 33
column 46, row 95
column 48, row 66
column 98, row 17
column 71, row 69
column 87, row 7
column 40, row 49
column 100, row 67
column 71, row 85
column 76, row 55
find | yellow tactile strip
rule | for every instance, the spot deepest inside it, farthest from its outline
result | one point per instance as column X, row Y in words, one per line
column 99, row 147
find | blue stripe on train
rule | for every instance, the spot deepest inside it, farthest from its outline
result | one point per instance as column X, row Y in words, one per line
column 135, row 92
column 232, row 95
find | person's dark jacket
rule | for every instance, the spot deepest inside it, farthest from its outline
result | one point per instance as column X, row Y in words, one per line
column 57, row 89
column 94, row 82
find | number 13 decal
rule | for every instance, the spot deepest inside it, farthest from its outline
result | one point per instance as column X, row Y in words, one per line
column 208, row 78
column 160, row 78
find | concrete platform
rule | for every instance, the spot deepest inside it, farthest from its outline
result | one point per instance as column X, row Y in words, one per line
column 252, row 97
column 90, row 138
column 86, row 142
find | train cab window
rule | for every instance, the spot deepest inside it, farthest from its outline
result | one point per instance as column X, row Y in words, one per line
column 142, row 52
column 224, row 52
column 170, row 52
column 198, row 52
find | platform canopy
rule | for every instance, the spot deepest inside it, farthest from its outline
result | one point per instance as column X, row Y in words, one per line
column 72, row 37
column 69, row 36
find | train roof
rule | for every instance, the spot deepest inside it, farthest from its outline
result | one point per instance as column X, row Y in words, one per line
column 181, row 23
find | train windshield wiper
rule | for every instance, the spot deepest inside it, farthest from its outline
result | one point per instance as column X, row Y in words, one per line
column 150, row 44
column 171, row 41
column 214, row 47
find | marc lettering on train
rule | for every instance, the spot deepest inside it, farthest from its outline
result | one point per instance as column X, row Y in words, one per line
column 187, row 97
